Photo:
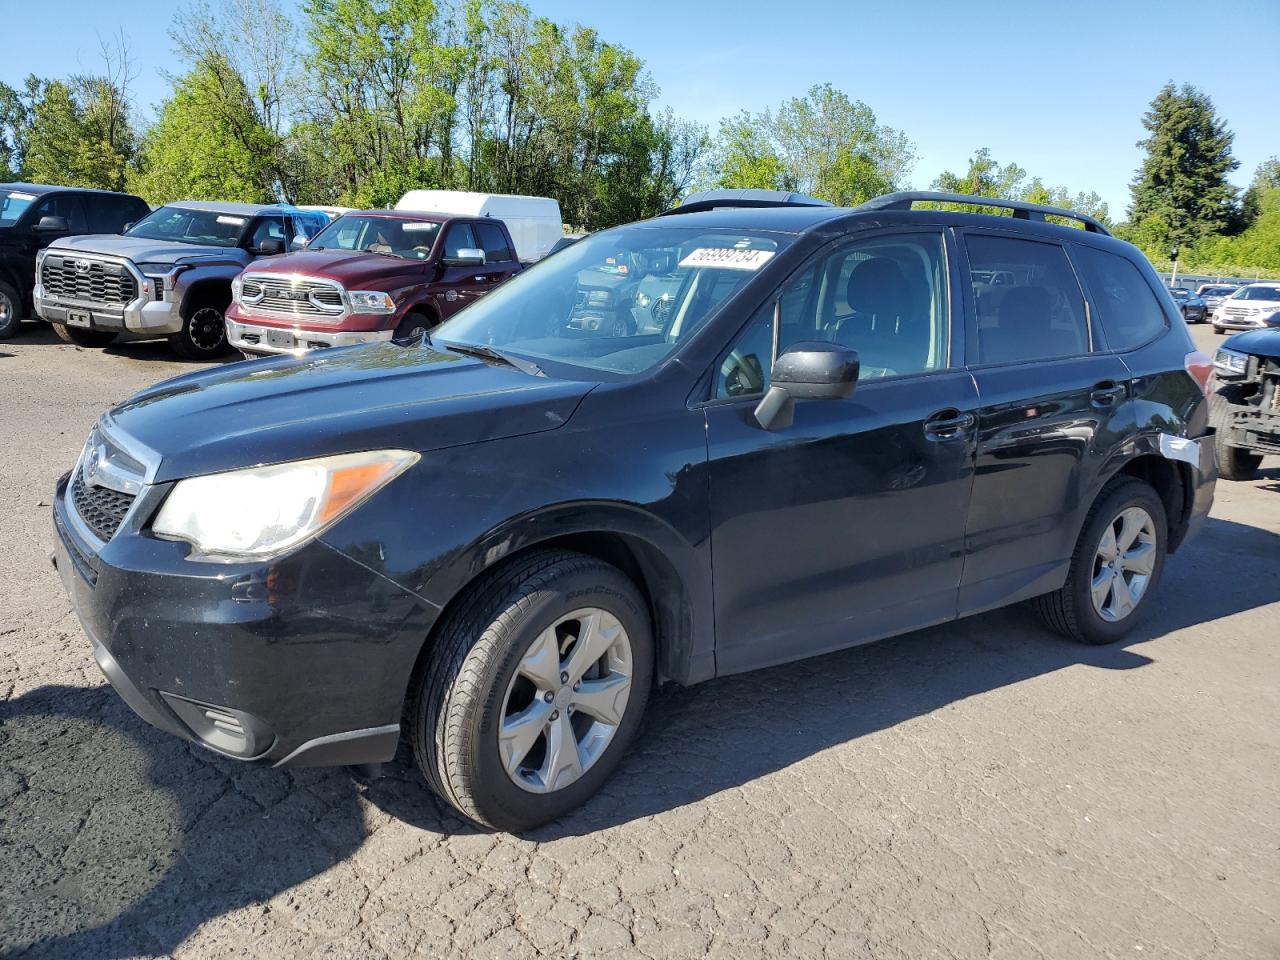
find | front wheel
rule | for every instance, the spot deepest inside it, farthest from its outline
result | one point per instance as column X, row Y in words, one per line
column 413, row 327
column 1115, row 567
column 535, row 688
column 84, row 338
column 203, row 335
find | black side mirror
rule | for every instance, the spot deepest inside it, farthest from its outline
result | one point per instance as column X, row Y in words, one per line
column 52, row 225
column 269, row 248
column 807, row 370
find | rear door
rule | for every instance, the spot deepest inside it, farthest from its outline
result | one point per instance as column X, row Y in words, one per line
column 1052, row 407
column 847, row 525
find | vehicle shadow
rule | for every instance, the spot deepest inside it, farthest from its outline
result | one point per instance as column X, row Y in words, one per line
column 123, row 840
column 127, row 346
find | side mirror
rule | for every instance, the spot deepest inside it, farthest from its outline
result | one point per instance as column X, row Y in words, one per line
column 127, row 227
column 807, row 370
column 466, row 257
column 52, row 225
column 269, row 248
column 300, row 242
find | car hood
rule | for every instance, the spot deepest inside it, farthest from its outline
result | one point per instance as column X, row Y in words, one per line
column 1259, row 343
column 142, row 250
column 370, row 397
column 344, row 266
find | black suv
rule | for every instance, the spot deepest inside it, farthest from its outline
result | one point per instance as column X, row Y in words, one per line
column 32, row 216
column 849, row 424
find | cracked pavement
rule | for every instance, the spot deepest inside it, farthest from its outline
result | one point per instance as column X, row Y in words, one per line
column 981, row 789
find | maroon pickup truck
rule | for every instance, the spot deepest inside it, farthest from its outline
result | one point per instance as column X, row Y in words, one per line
column 368, row 276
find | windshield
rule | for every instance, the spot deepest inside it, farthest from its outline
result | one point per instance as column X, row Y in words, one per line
column 180, row 225
column 617, row 301
column 13, row 204
column 1257, row 293
column 1216, row 291
column 1180, row 294
column 411, row 239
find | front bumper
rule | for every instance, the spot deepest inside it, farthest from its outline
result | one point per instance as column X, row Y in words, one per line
column 301, row 661
column 1223, row 322
column 256, row 338
column 144, row 315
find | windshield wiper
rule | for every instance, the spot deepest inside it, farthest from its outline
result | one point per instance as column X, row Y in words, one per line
column 489, row 353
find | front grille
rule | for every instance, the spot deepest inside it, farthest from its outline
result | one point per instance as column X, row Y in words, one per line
column 287, row 297
column 101, row 509
column 93, row 281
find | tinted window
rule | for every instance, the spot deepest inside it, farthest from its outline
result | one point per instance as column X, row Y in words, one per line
column 494, row 242
column 109, row 214
column 267, row 228
column 66, row 206
column 458, row 238
column 1029, row 305
column 1125, row 305
column 885, row 297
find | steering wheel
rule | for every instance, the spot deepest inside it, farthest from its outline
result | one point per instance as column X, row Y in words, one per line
column 744, row 376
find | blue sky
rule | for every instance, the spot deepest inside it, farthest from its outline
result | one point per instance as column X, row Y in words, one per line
column 1058, row 88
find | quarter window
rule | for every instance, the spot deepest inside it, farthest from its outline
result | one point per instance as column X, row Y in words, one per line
column 1125, row 304
column 1029, row 305
column 885, row 297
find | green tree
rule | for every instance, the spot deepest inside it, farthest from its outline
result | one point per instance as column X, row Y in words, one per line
column 823, row 143
column 1180, row 193
column 986, row 177
column 1265, row 178
column 207, row 144
column 79, row 135
column 15, row 122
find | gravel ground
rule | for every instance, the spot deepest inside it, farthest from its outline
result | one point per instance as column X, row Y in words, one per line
column 979, row 789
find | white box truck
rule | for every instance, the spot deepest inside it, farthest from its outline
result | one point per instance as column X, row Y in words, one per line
column 533, row 222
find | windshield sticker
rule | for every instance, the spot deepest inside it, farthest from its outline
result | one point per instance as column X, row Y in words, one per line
column 414, row 226
column 233, row 221
column 14, row 195
column 727, row 258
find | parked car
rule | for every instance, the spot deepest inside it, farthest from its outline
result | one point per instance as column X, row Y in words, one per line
column 496, row 540
column 368, row 276
column 1192, row 307
column 1246, row 402
column 1214, row 293
column 1248, row 307
column 533, row 222
column 34, row 215
column 168, row 275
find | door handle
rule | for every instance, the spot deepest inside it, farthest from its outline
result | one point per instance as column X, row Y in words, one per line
column 948, row 424
column 1106, row 393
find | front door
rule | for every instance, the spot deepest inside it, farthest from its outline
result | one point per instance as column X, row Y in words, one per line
column 459, row 286
column 847, row 525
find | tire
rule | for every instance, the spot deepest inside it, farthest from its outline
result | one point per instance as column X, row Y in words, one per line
column 413, row 324
column 1071, row 610
column 10, row 311
column 1234, row 463
column 204, row 332
column 85, row 338
column 468, row 685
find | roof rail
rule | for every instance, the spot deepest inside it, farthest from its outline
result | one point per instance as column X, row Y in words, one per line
column 713, row 199
column 1021, row 209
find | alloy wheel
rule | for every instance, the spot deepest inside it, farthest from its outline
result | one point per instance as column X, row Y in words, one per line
column 1123, row 564
column 208, row 330
column 7, row 308
column 566, row 700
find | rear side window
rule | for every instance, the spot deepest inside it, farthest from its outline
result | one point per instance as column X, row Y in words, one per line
column 1125, row 304
column 494, row 242
column 1029, row 305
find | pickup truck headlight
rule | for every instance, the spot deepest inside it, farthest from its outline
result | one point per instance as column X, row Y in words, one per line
column 1228, row 361
column 263, row 511
column 371, row 301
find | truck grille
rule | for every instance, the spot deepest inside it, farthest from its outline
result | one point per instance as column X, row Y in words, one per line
column 101, row 509
column 92, row 281
column 289, row 297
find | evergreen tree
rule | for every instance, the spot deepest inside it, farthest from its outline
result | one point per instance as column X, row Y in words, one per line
column 1181, row 193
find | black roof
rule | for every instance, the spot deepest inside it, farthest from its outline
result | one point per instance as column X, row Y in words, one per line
column 42, row 188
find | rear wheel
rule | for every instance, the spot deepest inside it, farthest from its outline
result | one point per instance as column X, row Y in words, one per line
column 204, row 332
column 534, row 690
column 10, row 311
column 85, row 338
column 1115, row 567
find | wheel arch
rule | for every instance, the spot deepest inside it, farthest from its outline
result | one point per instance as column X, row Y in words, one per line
column 205, row 290
column 1171, row 480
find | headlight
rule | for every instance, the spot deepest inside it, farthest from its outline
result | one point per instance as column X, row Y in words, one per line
column 237, row 285
column 1228, row 361
column 371, row 301
column 263, row 511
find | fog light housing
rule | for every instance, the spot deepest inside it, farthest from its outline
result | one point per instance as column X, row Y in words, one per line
column 229, row 731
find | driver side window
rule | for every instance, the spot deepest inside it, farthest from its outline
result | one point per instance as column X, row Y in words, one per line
column 268, row 228
column 885, row 297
